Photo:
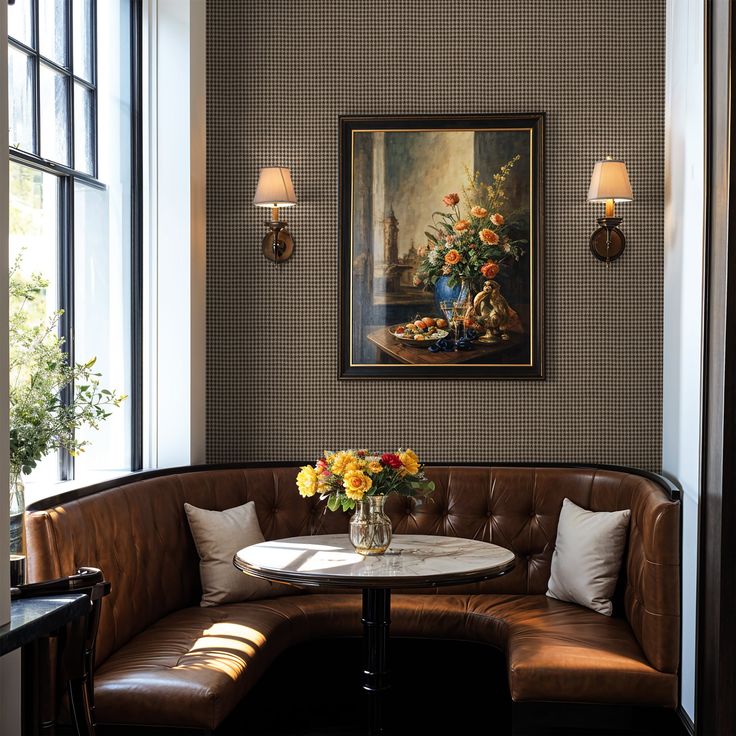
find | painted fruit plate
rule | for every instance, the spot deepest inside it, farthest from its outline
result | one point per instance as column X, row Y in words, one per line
column 418, row 339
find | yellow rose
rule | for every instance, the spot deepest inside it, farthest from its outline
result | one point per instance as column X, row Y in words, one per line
column 478, row 211
column 374, row 467
column 410, row 462
column 307, row 481
column 343, row 461
column 356, row 484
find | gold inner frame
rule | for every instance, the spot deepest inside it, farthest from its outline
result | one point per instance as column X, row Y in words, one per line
column 532, row 260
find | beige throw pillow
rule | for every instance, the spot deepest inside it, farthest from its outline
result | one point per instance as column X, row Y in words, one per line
column 587, row 557
column 218, row 535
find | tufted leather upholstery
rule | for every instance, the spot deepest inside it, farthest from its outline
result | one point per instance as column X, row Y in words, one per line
column 154, row 648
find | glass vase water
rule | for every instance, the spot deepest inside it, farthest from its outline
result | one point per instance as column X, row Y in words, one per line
column 370, row 528
column 17, row 531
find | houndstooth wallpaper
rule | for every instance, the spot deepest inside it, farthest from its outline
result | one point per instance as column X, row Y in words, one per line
column 279, row 72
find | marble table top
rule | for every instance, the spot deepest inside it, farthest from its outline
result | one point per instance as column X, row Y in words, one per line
column 412, row 560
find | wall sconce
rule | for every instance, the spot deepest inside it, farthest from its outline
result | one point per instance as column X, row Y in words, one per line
column 275, row 190
column 609, row 184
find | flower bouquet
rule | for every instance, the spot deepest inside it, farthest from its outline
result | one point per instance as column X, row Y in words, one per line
column 468, row 246
column 351, row 478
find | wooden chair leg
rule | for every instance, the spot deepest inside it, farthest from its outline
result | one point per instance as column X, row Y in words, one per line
column 79, row 708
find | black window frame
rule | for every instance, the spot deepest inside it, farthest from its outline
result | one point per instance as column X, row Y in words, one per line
column 67, row 176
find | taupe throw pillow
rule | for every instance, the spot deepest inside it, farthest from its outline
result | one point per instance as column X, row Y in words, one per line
column 218, row 535
column 587, row 557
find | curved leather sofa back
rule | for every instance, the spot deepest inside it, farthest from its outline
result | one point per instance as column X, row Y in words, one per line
column 138, row 535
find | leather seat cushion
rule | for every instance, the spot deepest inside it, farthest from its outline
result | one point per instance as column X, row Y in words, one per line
column 559, row 651
column 193, row 666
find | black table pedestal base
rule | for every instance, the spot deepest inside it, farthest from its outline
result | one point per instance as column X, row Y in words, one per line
column 376, row 622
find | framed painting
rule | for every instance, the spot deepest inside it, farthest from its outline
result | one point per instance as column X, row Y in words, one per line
column 442, row 246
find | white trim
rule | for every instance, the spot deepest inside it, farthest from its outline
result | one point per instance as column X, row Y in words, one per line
column 174, row 233
column 684, row 250
column 150, row 227
column 198, row 174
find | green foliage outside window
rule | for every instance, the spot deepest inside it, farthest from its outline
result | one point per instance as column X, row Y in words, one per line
column 40, row 421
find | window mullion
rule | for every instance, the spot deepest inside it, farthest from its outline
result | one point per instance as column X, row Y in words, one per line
column 66, row 298
column 93, row 41
column 36, row 77
column 70, row 85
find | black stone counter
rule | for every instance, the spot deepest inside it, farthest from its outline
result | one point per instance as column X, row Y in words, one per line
column 33, row 618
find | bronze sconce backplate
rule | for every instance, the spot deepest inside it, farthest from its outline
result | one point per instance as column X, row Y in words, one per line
column 278, row 245
column 607, row 242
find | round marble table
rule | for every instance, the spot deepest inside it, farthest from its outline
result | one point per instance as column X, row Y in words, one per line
column 412, row 561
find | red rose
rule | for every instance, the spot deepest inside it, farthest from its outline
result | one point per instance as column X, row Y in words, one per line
column 490, row 269
column 451, row 199
column 391, row 460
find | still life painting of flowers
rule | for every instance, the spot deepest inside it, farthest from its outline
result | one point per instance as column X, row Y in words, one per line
column 442, row 247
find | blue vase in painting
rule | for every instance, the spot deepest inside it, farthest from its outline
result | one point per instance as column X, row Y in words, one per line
column 443, row 292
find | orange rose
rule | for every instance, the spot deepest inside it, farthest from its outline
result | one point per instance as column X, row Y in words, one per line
column 497, row 219
column 451, row 199
column 452, row 257
column 488, row 236
column 461, row 225
column 479, row 212
column 490, row 269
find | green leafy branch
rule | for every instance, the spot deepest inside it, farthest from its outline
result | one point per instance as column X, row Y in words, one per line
column 40, row 374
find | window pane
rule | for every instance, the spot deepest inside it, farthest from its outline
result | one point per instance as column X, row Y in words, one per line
column 53, row 30
column 82, row 31
column 83, row 129
column 19, row 21
column 54, row 115
column 20, row 100
column 33, row 238
column 103, row 245
column 102, row 320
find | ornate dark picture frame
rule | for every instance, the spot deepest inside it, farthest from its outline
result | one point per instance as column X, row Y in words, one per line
column 437, row 211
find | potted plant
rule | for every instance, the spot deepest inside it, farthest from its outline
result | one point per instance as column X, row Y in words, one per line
column 40, row 374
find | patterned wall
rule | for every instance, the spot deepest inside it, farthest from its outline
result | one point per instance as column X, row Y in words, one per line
column 279, row 74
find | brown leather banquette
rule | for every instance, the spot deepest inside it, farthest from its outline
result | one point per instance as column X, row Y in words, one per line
column 164, row 660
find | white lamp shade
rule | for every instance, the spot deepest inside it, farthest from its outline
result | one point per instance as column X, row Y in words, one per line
column 610, row 180
column 274, row 188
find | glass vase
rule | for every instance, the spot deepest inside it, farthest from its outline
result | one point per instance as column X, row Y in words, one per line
column 17, row 530
column 370, row 528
